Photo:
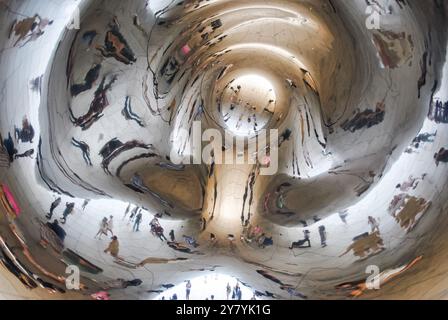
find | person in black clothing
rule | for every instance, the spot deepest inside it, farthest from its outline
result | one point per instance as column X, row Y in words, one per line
column 26, row 134
column 10, row 147
column 52, row 207
column 172, row 237
column 445, row 112
column 26, row 154
column 286, row 135
column 424, row 137
column 300, row 243
column 85, row 149
column 91, row 76
column 68, row 209
column 441, row 156
column 57, row 229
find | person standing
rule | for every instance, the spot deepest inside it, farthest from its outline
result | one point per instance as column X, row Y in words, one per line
column 228, row 290
column 53, row 206
column 203, row 224
column 113, row 248
column 172, row 237
column 323, row 236
column 138, row 220
column 188, row 290
column 85, row 203
column 237, row 292
column 133, row 214
column 127, row 211
column 374, row 225
column 68, row 210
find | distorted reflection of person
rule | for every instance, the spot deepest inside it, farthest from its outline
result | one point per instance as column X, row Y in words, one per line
column 57, row 229
column 120, row 284
column 374, row 224
column 190, row 241
column 138, row 220
column 26, row 134
column 53, row 206
column 110, row 225
column 187, row 290
column 441, row 156
column 67, row 211
column 323, row 236
column 27, row 154
column 102, row 229
column 113, row 248
column 301, row 243
column 85, row 149
column 157, row 229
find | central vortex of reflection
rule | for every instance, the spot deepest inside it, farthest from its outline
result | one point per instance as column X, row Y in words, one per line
column 248, row 103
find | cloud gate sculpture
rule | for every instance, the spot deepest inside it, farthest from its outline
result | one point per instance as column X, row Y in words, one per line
column 278, row 149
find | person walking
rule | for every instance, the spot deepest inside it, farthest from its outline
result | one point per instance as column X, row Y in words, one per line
column 188, row 290
column 103, row 228
column 68, row 210
column 159, row 233
column 113, row 248
column 154, row 222
column 53, row 206
column 228, row 291
column 110, row 225
column 138, row 220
